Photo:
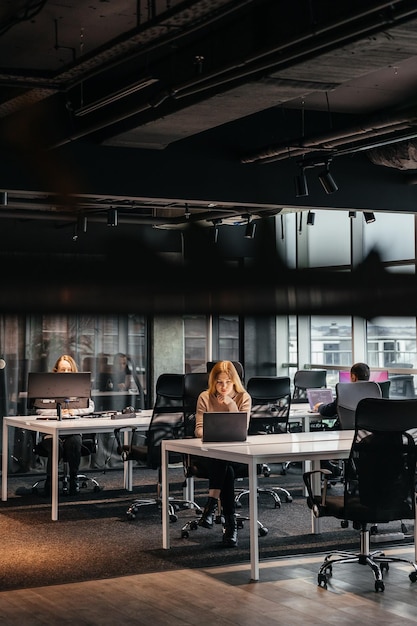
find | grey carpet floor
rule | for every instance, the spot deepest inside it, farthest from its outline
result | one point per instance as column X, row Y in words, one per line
column 94, row 539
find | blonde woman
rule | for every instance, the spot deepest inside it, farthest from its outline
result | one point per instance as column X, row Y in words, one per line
column 69, row 445
column 225, row 393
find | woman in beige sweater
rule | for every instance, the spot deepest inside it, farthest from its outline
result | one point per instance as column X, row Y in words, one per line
column 225, row 393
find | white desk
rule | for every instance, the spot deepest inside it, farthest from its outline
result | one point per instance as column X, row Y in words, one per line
column 56, row 429
column 258, row 449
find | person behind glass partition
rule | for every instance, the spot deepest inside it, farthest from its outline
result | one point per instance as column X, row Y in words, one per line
column 225, row 393
column 69, row 445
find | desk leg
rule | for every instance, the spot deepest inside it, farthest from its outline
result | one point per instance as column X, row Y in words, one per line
column 253, row 514
column 165, row 498
column 55, row 469
column 128, row 466
column 4, row 462
column 315, row 521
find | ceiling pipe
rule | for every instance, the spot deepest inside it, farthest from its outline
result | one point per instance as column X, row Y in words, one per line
column 373, row 128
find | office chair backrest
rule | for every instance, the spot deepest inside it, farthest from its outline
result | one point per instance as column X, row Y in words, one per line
column 237, row 364
column 194, row 384
column 385, row 385
column 307, row 379
column 382, row 462
column 169, row 392
column 348, row 396
column 271, row 402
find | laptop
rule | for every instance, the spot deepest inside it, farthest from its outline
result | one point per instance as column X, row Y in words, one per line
column 225, row 426
column 319, row 395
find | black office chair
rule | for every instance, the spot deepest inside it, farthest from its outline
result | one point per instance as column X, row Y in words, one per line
column 167, row 422
column 89, row 445
column 307, row 379
column 379, row 482
column 271, row 403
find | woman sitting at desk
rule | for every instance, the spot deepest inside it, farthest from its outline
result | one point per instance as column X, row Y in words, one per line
column 69, row 445
column 225, row 393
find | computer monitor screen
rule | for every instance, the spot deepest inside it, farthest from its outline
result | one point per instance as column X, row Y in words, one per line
column 48, row 389
column 377, row 376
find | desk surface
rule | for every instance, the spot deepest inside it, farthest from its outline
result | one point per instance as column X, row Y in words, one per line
column 78, row 424
column 270, row 448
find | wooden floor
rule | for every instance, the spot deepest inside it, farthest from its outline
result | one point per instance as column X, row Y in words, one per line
column 286, row 594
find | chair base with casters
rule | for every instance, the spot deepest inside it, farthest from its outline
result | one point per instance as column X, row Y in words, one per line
column 131, row 452
column 219, row 519
column 376, row 560
column 83, row 481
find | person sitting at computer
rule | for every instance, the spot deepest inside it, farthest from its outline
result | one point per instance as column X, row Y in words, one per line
column 69, row 445
column 358, row 371
column 225, row 393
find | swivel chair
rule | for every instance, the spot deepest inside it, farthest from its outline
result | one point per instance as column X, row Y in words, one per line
column 167, row 422
column 271, row 403
column 307, row 379
column 379, row 482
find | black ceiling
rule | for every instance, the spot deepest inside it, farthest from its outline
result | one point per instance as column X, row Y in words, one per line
column 261, row 81
column 179, row 114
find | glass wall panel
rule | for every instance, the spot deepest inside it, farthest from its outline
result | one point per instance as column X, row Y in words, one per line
column 328, row 238
column 391, row 344
column 392, row 234
column 195, row 343
column 331, row 344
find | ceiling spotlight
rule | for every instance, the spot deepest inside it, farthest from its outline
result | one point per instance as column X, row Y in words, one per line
column 328, row 183
column 368, row 217
column 3, row 198
column 352, row 214
column 310, row 218
column 250, row 229
column 301, row 188
column 112, row 217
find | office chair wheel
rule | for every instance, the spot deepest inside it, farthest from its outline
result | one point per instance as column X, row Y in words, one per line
column 185, row 534
column 404, row 528
column 384, row 567
column 263, row 531
column 322, row 580
column 345, row 524
column 240, row 524
column 413, row 576
column 288, row 498
column 173, row 517
column 379, row 585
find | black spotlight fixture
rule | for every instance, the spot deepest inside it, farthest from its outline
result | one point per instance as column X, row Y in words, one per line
column 311, row 216
column 368, row 217
column 250, row 229
column 3, row 198
column 352, row 214
column 328, row 183
column 112, row 217
column 301, row 187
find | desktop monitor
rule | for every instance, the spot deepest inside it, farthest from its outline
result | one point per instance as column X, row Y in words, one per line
column 47, row 390
column 376, row 376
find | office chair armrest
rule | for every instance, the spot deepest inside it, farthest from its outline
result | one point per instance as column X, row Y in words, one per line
column 313, row 502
